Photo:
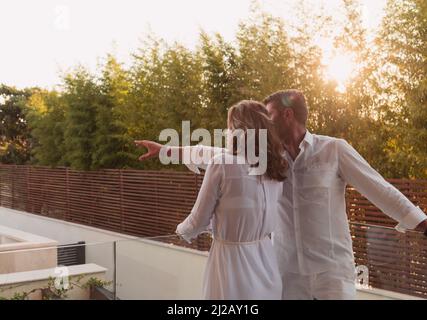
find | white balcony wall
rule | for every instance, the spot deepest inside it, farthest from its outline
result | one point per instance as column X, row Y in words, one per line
column 145, row 269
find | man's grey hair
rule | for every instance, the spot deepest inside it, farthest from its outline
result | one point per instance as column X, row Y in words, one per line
column 293, row 99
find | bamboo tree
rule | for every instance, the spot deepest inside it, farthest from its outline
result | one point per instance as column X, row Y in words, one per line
column 82, row 98
column 112, row 144
column 46, row 118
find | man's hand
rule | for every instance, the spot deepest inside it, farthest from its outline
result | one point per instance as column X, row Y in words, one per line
column 153, row 149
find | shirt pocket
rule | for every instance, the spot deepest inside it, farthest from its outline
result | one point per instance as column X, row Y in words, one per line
column 324, row 175
column 313, row 209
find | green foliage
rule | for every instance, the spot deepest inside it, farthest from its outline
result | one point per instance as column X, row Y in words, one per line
column 19, row 296
column 111, row 145
column 264, row 57
column 46, row 117
column 403, row 56
column 82, row 97
column 95, row 283
column 51, row 292
column 15, row 139
column 219, row 74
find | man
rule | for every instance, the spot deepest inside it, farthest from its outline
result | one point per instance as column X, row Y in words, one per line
column 313, row 241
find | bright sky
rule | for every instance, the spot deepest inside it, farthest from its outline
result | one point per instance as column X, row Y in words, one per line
column 40, row 38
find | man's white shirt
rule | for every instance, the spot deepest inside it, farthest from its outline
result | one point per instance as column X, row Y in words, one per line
column 313, row 234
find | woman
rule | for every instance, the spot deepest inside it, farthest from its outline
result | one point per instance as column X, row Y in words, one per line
column 241, row 209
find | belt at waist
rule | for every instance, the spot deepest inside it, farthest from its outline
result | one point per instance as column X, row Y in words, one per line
column 222, row 241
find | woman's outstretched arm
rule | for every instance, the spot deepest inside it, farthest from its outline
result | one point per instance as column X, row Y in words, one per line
column 194, row 157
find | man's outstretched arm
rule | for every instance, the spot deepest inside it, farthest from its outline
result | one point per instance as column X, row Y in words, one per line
column 356, row 171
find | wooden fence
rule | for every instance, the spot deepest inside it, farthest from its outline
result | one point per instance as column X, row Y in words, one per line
column 151, row 203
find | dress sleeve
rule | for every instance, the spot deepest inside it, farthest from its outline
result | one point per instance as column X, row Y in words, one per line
column 204, row 208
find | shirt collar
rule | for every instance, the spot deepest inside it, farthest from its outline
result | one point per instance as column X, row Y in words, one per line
column 307, row 138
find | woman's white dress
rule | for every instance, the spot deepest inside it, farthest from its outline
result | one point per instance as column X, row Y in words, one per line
column 240, row 210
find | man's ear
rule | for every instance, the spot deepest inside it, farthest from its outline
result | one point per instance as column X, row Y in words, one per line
column 288, row 113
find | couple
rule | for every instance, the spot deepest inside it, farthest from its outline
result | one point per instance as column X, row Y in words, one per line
column 285, row 234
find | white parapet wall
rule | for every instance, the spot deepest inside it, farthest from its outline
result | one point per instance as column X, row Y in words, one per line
column 144, row 269
column 23, row 251
column 153, row 270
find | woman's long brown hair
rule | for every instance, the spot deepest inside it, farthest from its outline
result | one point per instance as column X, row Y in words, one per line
column 248, row 114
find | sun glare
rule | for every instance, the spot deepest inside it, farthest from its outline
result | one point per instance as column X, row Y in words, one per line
column 340, row 67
